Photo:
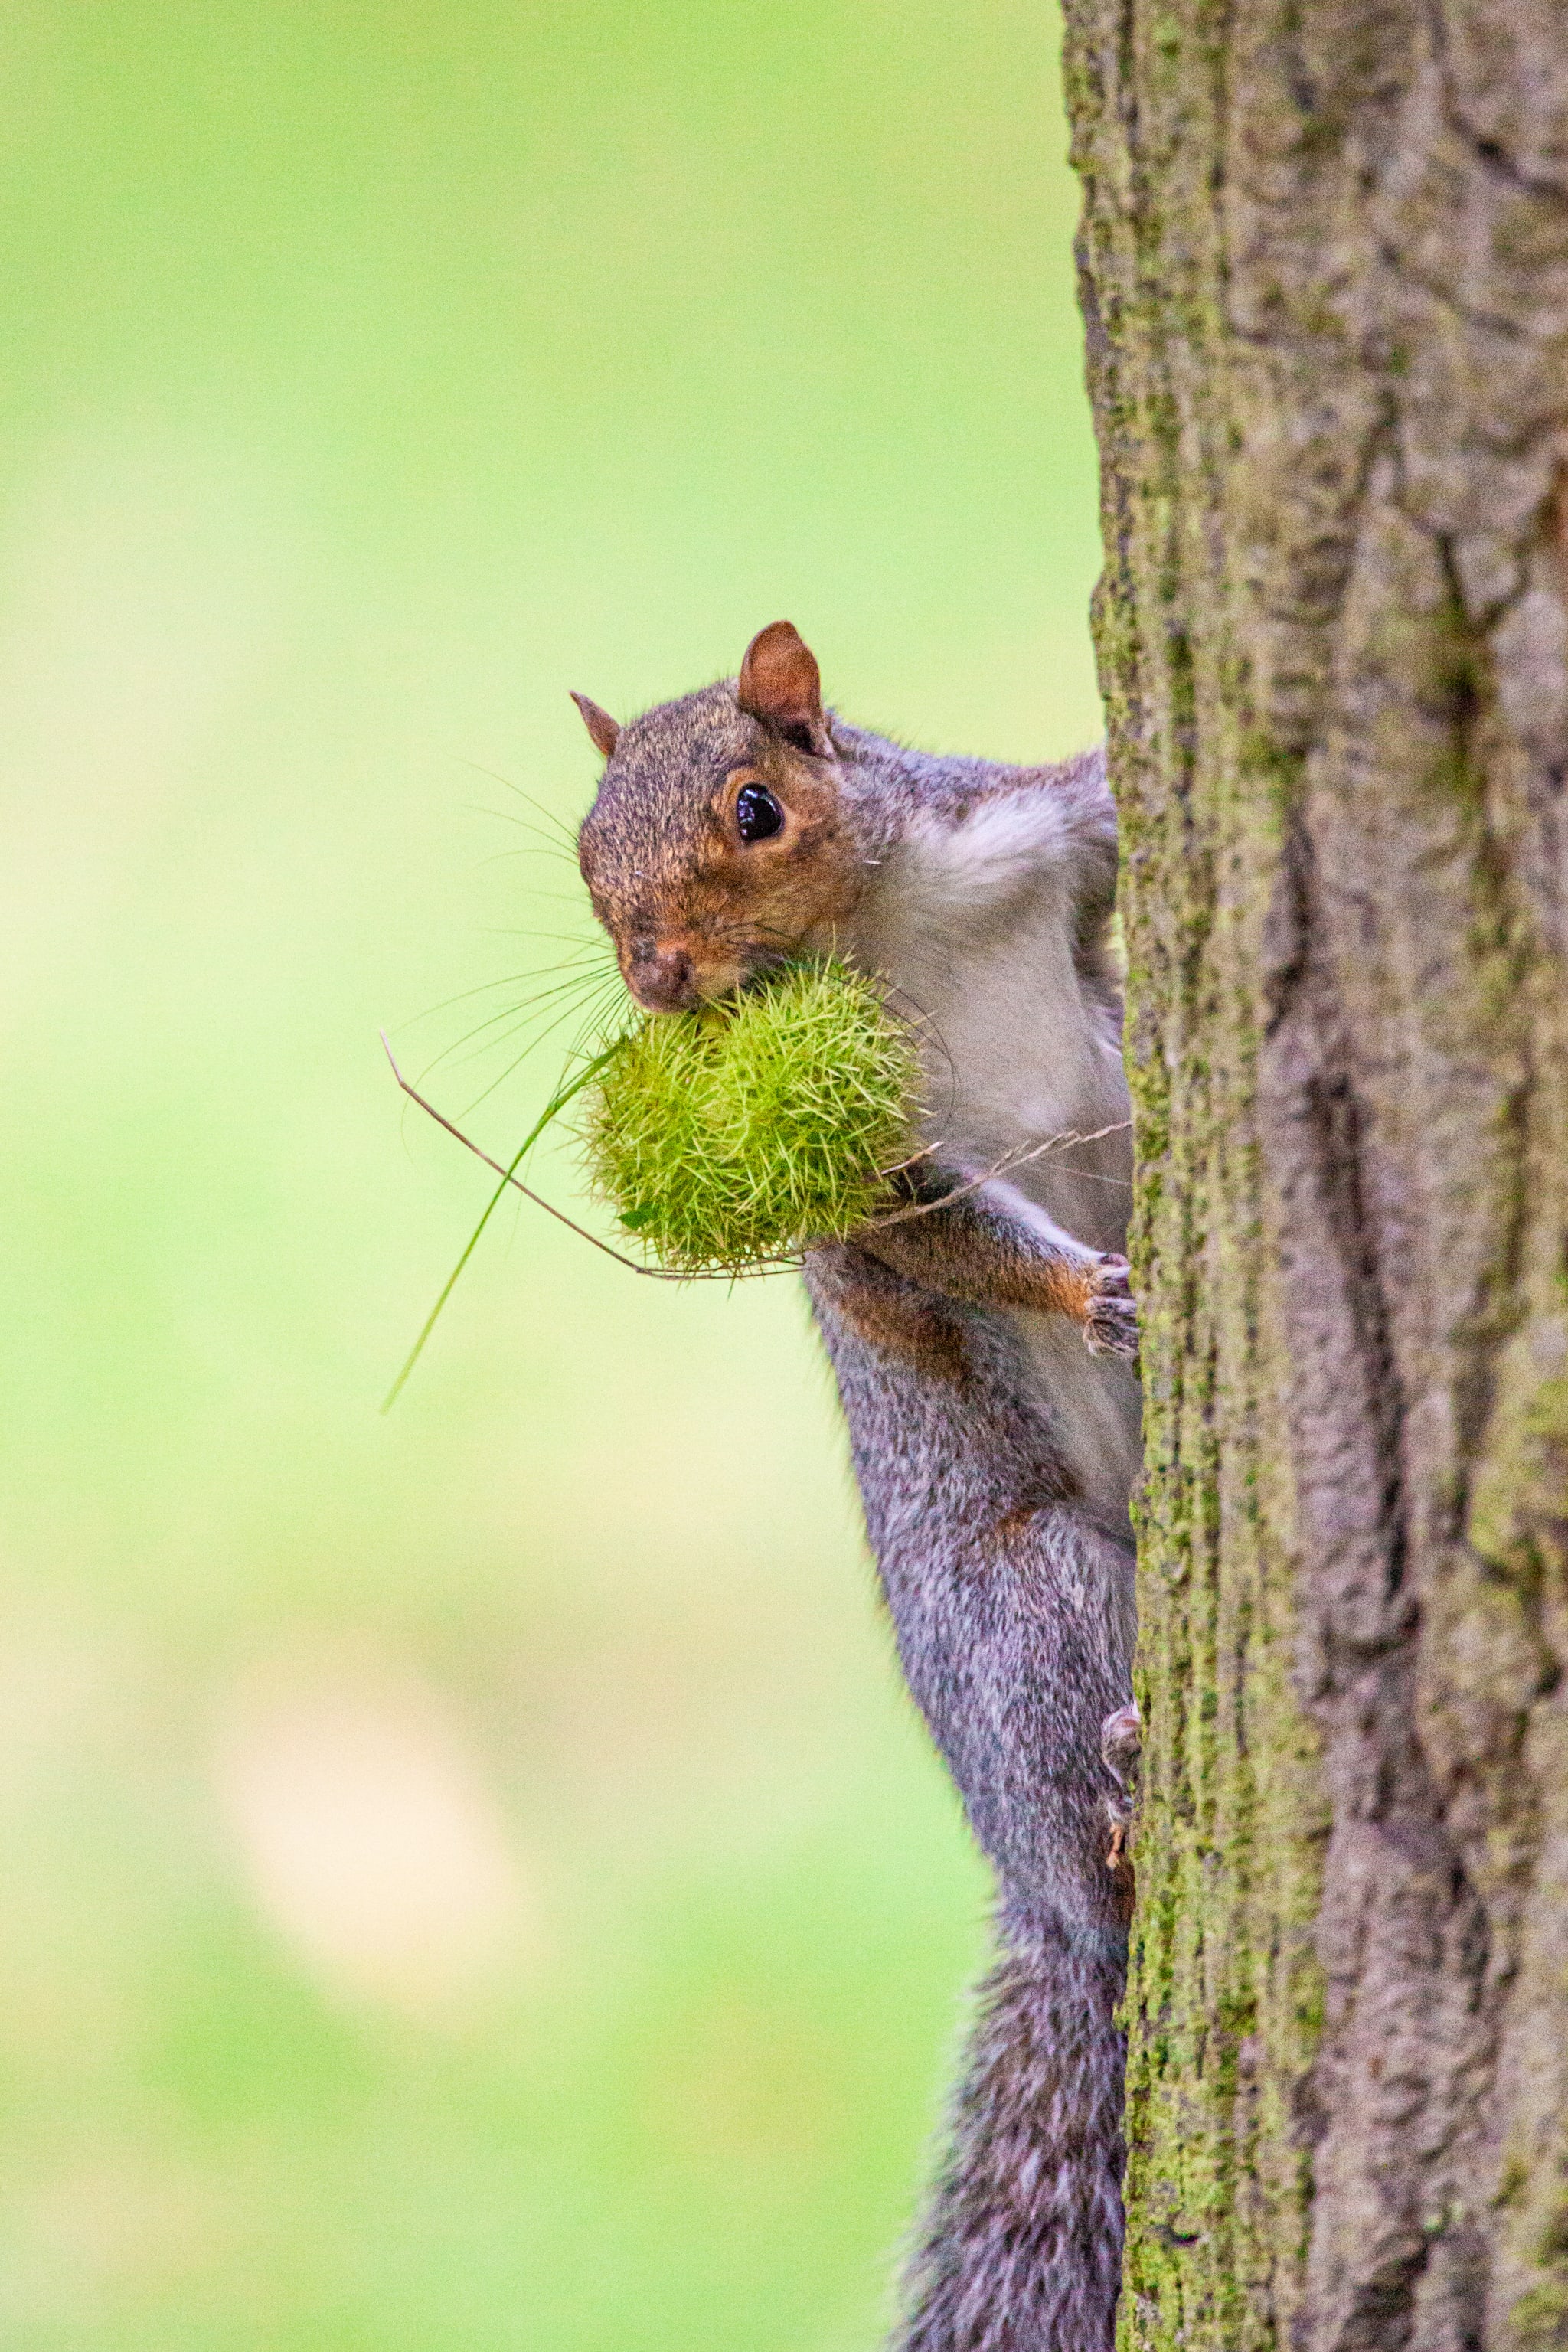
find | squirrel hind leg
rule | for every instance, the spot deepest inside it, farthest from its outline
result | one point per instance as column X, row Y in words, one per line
column 1120, row 1740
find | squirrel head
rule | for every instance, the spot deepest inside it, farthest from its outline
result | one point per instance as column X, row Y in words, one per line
column 717, row 844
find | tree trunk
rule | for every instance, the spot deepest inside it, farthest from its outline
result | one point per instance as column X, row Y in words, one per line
column 1324, row 265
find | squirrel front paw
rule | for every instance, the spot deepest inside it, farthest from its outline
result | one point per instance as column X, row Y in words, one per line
column 1111, row 1319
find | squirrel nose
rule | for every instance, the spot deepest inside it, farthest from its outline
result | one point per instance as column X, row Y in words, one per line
column 661, row 978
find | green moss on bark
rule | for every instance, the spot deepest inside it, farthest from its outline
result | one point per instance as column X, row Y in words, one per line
column 1333, row 632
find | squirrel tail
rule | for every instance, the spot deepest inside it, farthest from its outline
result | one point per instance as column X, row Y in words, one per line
column 1022, row 2245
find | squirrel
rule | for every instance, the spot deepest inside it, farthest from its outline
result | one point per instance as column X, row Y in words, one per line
column 983, row 1353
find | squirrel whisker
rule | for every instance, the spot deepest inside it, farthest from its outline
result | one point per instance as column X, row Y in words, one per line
column 653, row 1272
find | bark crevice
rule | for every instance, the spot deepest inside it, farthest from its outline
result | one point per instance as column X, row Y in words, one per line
column 1324, row 257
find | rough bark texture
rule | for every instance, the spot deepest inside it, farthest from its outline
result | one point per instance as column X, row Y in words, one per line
column 1325, row 273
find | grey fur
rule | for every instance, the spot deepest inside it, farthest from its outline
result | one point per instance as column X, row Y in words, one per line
column 993, row 1451
column 1014, row 1648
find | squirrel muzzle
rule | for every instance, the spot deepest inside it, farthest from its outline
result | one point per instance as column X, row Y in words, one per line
column 663, row 976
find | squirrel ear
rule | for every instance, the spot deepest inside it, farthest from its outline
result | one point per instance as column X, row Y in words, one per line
column 599, row 724
column 782, row 686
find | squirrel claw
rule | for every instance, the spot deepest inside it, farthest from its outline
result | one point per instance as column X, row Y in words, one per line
column 1110, row 1319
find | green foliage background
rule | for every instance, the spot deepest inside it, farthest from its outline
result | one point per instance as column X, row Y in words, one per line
column 471, row 1878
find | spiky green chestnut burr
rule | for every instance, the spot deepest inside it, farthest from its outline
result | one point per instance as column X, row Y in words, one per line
column 738, row 1133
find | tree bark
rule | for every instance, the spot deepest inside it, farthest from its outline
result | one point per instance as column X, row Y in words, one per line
column 1324, row 267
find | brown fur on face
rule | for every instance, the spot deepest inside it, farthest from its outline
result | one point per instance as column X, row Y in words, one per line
column 693, row 909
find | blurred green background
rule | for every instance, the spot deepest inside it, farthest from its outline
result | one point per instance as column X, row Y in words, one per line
column 471, row 1878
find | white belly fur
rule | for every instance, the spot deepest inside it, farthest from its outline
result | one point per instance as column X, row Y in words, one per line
column 970, row 927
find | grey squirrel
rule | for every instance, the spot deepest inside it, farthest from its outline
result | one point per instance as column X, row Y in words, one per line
column 982, row 1354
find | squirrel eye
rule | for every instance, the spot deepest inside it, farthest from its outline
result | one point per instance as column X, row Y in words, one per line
column 758, row 815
